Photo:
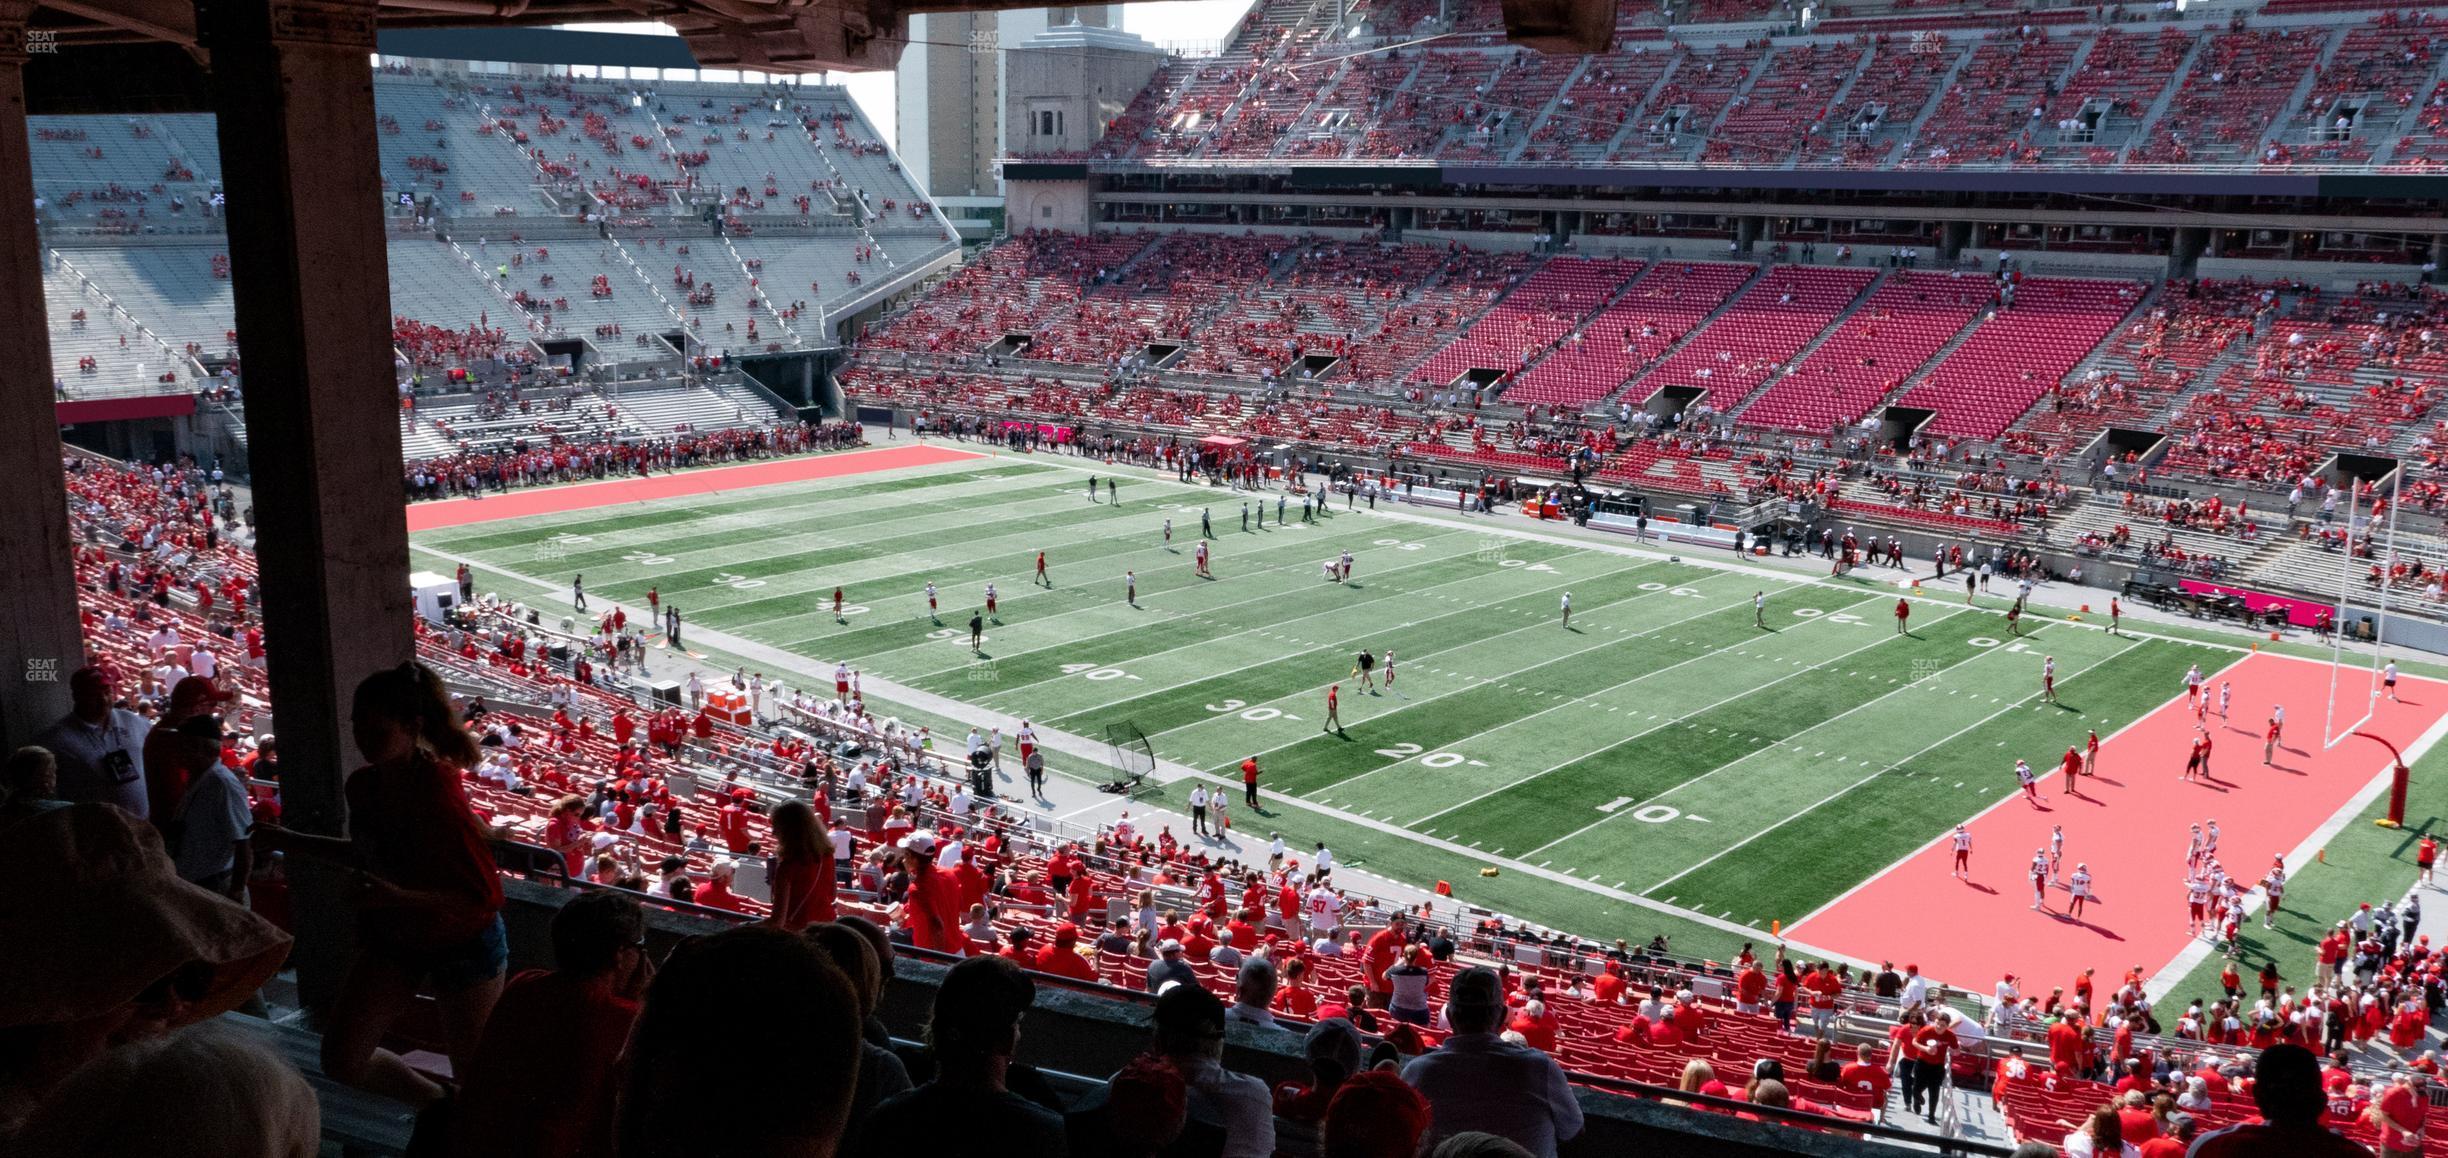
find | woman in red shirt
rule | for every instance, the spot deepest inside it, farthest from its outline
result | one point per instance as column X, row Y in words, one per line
column 566, row 833
column 428, row 896
column 802, row 873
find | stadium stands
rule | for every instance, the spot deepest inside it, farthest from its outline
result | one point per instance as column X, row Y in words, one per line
column 490, row 157
column 1758, row 336
column 1904, row 322
column 2019, row 352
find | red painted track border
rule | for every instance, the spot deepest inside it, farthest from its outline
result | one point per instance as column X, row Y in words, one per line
column 2130, row 824
column 707, row 480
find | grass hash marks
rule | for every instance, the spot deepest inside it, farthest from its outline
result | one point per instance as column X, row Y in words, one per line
column 1504, row 680
column 1257, row 629
column 1823, row 850
column 1186, row 705
column 1683, row 750
column 899, row 640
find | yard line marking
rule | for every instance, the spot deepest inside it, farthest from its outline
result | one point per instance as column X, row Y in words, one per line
column 1746, row 757
column 1753, row 690
column 1317, row 688
column 1541, row 663
column 1198, row 616
column 1983, row 721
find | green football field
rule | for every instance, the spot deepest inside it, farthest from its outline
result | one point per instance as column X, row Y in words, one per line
column 1663, row 764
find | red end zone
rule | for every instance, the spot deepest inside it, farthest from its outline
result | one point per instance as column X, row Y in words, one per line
column 613, row 492
column 2130, row 824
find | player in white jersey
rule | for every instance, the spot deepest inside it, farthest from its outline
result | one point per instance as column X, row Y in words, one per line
column 2210, row 841
column 2193, row 851
column 1568, row 609
column 2388, row 680
column 1963, row 852
column 2056, row 854
column 2197, row 905
column 930, row 594
column 2048, row 679
column 2274, row 884
column 2039, row 879
column 2030, row 783
column 2080, row 887
column 1346, row 566
column 841, row 682
column 1198, row 558
column 1168, row 534
column 2193, row 683
column 2226, row 693
column 1389, row 670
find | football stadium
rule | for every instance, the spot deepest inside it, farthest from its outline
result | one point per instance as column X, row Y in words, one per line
column 1749, row 577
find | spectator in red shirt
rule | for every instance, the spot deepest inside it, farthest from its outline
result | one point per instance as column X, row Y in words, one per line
column 1823, row 988
column 716, row 892
column 802, row 878
column 1384, row 949
column 2069, row 1046
column 1538, row 1026
column 932, row 911
column 540, row 1085
column 1749, row 986
column 1062, row 957
column 429, row 895
column 2174, row 1141
column 1865, row 1075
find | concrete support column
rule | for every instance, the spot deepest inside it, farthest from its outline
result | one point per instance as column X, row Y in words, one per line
column 295, row 96
column 39, row 639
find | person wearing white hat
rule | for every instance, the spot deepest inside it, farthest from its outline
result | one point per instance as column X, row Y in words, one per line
column 1169, row 967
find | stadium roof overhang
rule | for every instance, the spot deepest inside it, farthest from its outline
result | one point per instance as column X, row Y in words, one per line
column 1429, row 175
column 782, row 36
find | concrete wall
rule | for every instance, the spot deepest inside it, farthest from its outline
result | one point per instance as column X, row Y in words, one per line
column 1059, row 205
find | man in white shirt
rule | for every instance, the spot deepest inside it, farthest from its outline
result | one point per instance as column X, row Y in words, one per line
column 208, row 836
column 100, row 748
column 1916, row 987
column 1477, row 1081
column 1324, row 860
column 1254, row 995
column 1190, row 1034
column 202, row 661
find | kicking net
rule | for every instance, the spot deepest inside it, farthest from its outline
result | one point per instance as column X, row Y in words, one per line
column 1131, row 756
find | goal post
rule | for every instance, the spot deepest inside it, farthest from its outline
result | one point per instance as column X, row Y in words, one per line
column 2342, row 721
